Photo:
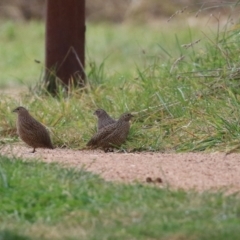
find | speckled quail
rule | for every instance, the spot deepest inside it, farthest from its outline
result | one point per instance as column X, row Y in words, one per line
column 103, row 118
column 112, row 135
column 31, row 131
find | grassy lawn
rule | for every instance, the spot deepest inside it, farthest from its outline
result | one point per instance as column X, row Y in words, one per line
column 184, row 92
column 45, row 201
column 185, row 97
column 22, row 44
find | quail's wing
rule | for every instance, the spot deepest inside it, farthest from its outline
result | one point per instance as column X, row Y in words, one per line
column 111, row 120
column 101, row 134
column 105, row 122
column 41, row 133
column 118, row 136
column 29, row 125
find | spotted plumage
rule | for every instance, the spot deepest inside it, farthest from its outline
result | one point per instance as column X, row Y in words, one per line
column 113, row 135
column 103, row 118
column 32, row 132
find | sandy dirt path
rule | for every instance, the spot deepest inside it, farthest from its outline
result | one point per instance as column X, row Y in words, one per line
column 199, row 171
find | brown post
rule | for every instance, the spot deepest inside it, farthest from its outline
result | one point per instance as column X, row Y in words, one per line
column 65, row 42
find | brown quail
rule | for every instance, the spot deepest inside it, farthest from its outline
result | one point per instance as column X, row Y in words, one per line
column 31, row 131
column 103, row 118
column 112, row 135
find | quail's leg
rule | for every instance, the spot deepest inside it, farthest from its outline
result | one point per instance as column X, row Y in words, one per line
column 33, row 151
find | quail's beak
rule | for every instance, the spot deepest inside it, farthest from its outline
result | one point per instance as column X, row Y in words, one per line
column 15, row 110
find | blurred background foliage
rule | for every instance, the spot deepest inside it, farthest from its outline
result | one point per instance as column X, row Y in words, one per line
column 117, row 11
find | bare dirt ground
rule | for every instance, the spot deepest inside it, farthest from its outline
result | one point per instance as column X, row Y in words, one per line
column 199, row 171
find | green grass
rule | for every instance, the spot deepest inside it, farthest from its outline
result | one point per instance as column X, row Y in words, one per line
column 45, row 201
column 119, row 48
column 22, row 44
column 181, row 104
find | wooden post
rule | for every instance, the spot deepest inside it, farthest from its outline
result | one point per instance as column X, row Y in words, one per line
column 65, row 42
